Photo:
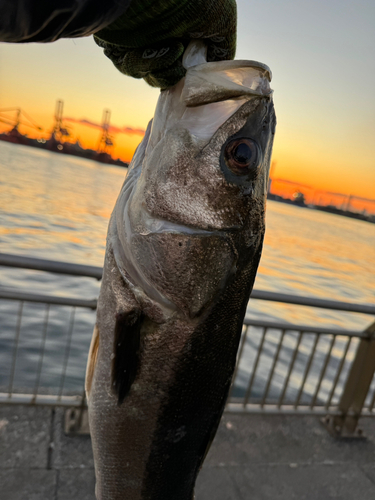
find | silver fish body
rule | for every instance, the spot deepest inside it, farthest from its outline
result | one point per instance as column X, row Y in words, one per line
column 183, row 248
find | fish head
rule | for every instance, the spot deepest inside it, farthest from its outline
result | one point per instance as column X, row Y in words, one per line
column 191, row 212
column 210, row 185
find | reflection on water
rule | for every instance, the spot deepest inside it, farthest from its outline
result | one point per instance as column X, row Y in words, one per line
column 58, row 349
column 313, row 253
column 315, row 375
column 57, row 207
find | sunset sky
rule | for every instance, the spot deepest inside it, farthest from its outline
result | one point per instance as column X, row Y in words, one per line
column 321, row 53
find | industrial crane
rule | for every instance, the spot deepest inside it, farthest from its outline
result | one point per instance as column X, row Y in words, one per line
column 14, row 135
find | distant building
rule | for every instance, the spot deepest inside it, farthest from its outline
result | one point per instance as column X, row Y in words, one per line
column 299, row 199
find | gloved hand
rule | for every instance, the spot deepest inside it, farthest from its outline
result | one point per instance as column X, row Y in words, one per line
column 148, row 41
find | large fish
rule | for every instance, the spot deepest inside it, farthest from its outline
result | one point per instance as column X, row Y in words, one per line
column 183, row 247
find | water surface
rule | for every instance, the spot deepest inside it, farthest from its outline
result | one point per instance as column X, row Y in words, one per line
column 57, row 207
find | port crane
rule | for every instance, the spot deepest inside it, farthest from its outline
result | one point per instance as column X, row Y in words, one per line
column 105, row 141
column 59, row 132
column 19, row 119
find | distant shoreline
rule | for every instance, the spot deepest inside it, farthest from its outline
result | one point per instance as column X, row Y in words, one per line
column 323, row 208
column 67, row 148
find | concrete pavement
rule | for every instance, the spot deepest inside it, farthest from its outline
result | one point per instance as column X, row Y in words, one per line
column 253, row 457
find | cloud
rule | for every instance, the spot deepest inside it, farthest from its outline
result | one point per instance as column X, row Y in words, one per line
column 113, row 129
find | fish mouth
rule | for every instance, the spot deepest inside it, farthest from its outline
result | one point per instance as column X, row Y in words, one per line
column 209, row 82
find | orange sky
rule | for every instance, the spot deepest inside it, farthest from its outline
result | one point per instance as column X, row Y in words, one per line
column 325, row 133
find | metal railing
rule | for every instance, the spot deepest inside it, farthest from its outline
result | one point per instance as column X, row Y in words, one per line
column 302, row 370
column 281, row 368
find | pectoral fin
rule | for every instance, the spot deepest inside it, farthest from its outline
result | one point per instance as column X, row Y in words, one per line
column 126, row 352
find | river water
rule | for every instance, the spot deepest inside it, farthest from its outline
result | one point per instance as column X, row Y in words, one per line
column 57, row 207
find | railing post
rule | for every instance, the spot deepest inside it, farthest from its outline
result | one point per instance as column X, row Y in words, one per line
column 76, row 419
column 356, row 389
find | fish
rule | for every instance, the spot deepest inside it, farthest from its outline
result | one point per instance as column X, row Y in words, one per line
column 183, row 248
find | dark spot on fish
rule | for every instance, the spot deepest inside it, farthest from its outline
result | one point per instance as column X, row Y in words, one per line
column 126, row 352
column 175, row 435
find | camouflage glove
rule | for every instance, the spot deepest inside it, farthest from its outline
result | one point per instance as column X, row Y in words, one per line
column 148, row 41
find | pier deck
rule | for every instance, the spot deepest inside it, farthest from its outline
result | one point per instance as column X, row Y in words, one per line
column 253, row 457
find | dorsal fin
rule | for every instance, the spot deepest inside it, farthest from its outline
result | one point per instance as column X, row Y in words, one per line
column 126, row 352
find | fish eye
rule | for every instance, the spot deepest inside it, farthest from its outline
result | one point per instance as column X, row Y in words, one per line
column 242, row 156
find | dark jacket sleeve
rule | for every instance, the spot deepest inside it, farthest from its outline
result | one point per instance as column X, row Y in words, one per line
column 49, row 20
